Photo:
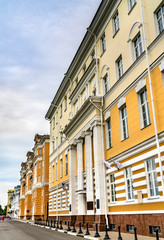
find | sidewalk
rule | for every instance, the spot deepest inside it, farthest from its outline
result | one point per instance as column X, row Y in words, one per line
column 112, row 235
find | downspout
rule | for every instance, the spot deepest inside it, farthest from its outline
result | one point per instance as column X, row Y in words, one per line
column 104, row 172
column 152, row 98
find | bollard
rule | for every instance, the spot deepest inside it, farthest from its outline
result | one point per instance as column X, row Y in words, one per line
column 87, row 231
column 119, row 234
column 157, row 234
column 54, row 223
column 61, row 225
column 68, row 229
column 74, row 229
column 135, row 233
column 96, row 233
column 57, row 224
column 106, row 233
column 80, row 231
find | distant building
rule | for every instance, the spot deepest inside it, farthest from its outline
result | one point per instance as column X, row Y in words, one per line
column 35, row 181
column 10, row 192
column 14, row 202
column 110, row 107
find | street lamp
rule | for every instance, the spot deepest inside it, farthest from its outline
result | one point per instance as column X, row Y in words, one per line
column 97, row 79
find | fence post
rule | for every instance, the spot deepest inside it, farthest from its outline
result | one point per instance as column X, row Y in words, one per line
column 87, row 231
column 96, row 233
column 157, row 234
column 80, row 231
column 135, row 233
column 106, row 233
column 119, row 234
column 68, row 229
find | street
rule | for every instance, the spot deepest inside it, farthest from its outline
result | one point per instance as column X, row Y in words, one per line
column 15, row 230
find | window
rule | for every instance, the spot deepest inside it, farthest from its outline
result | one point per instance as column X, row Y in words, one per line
column 53, row 173
column 53, row 145
column 152, row 178
column 39, row 164
column 131, row 4
column 52, row 202
column 112, row 188
column 66, row 164
column 124, row 123
column 137, row 43
column 65, row 103
column 61, row 137
column 61, row 110
column 108, row 133
column 130, row 228
column 61, row 200
column 94, row 92
column 93, row 55
column 112, row 226
column 116, row 23
column 61, row 167
column 56, row 117
column 152, row 229
column 160, row 19
column 39, row 178
column 56, row 170
column 76, row 82
column 30, row 187
column 119, row 66
column 129, row 183
column 56, row 141
column 84, row 68
column 53, row 122
column 66, row 198
column 103, row 44
column 144, row 108
column 40, row 151
column 106, row 85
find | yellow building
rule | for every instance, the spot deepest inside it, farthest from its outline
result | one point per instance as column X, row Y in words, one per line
column 107, row 122
column 35, row 181
column 10, row 193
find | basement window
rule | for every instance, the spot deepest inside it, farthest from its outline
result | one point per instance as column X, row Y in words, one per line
column 130, row 228
column 152, row 229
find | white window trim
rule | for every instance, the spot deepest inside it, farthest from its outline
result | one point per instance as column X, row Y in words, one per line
column 129, row 7
column 107, row 132
column 114, row 25
column 117, row 67
column 61, row 167
column 155, row 17
column 53, row 173
column 131, row 191
column 56, row 170
column 153, row 180
column 113, row 183
column 66, row 164
column 106, row 76
column 103, row 43
column 61, row 200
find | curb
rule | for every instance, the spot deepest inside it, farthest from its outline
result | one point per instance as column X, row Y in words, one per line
column 64, row 231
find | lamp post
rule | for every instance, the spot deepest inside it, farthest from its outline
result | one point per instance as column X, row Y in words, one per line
column 97, row 79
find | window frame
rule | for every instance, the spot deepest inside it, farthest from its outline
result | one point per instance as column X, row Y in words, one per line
column 119, row 67
column 160, row 8
column 53, row 173
column 153, row 173
column 137, row 45
column 61, row 167
column 131, row 4
column 112, row 188
column 124, row 119
column 116, row 24
column 65, row 103
column 108, row 134
column 56, row 170
column 129, row 179
column 103, row 43
column 66, row 164
column 144, row 105
column 106, row 83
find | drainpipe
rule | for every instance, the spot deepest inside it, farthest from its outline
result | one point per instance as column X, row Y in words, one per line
column 152, row 98
column 104, row 172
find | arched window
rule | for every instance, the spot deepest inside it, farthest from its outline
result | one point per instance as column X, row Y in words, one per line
column 135, row 41
column 105, row 79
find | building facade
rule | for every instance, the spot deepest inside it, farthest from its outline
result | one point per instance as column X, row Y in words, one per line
column 10, row 192
column 35, row 181
column 107, row 122
column 14, row 202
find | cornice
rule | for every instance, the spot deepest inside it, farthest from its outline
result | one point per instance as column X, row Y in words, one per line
column 81, row 114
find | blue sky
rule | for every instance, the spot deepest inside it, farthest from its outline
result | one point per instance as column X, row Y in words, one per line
column 38, row 40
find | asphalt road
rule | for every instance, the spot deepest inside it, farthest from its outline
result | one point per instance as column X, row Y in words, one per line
column 15, row 230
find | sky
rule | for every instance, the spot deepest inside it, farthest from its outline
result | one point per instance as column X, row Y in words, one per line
column 38, row 40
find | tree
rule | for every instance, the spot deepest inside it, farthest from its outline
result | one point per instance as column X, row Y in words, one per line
column 3, row 211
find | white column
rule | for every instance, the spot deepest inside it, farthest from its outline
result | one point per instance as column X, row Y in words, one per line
column 89, row 173
column 99, row 174
column 72, row 180
column 80, row 179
